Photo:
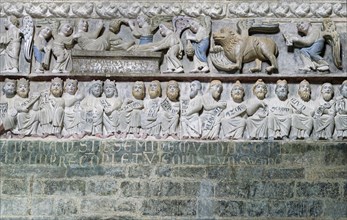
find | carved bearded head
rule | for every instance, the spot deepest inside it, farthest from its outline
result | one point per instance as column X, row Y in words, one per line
column 281, row 89
column 216, row 89
column 172, row 90
column 96, row 88
column 23, row 88
column 260, row 89
column 138, row 90
column 327, row 91
column 9, row 88
column 304, row 90
column 71, row 86
column 195, row 88
column 154, row 89
column 110, row 89
column 56, row 87
column 237, row 92
column 343, row 89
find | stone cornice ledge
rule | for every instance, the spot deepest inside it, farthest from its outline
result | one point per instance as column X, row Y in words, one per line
column 214, row 9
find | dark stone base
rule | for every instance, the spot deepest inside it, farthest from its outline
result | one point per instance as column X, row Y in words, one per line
column 112, row 179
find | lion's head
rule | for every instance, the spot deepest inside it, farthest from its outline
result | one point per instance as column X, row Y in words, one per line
column 226, row 37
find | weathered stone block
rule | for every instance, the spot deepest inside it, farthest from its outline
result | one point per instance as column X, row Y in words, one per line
column 277, row 208
column 85, row 171
column 169, row 207
column 189, row 172
column 320, row 189
column 305, row 208
column 64, row 187
column 229, row 208
column 140, row 171
column 65, row 207
column 23, row 171
column 232, row 190
column 163, row 171
column 271, row 190
column 15, row 187
column 42, row 207
column 221, row 172
column 257, row 208
column 104, row 187
column 336, row 209
column 336, row 155
column 94, row 206
column 14, row 207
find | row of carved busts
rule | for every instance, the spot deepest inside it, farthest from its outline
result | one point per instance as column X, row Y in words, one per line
column 67, row 111
column 51, row 43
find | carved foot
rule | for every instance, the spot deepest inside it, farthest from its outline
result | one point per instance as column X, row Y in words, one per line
column 271, row 69
column 13, row 70
column 254, row 70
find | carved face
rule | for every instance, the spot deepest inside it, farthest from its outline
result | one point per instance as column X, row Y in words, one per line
column 305, row 91
column 216, row 91
column 282, row 91
column 71, row 87
column 154, row 89
column 237, row 93
column 303, row 27
column 260, row 91
column 194, row 26
column 141, row 21
column 173, row 91
column 327, row 91
column 22, row 90
column 110, row 91
column 194, row 89
column 139, row 90
column 96, row 89
column 56, row 89
column 163, row 30
column 225, row 36
column 46, row 32
column 66, row 29
column 9, row 88
column 83, row 25
column 343, row 90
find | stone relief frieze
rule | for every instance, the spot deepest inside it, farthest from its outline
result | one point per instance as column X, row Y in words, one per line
column 186, row 45
column 215, row 11
column 161, row 110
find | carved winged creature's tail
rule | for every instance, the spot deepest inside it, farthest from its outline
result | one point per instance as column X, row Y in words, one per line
column 332, row 37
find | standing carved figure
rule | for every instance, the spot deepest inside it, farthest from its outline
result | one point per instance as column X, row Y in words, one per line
column 201, row 42
column 11, row 41
column 280, row 112
column 323, row 118
column 150, row 122
column 42, row 49
column 130, row 114
column 170, row 111
column 62, row 44
column 341, row 113
column 112, row 104
column 233, row 122
column 92, row 110
column 73, row 125
column 191, row 123
column 212, row 109
column 8, row 107
column 302, row 122
column 52, row 109
column 258, row 110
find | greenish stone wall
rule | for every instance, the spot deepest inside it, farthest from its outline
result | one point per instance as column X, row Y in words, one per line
column 111, row 179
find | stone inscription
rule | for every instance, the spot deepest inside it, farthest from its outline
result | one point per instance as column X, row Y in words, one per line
column 105, row 66
column 94, row 152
